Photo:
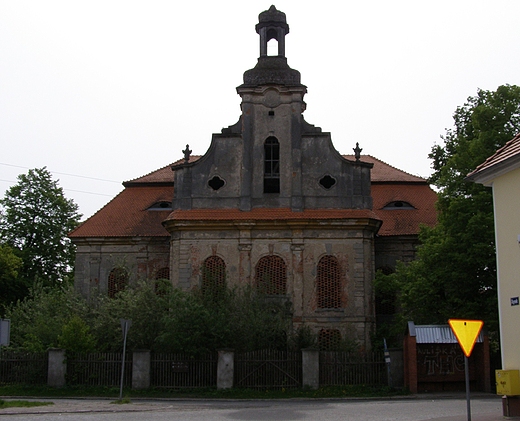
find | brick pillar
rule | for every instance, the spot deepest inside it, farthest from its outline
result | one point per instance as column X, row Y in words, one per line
column 225, row 369
column 410, row 363
column 311, row 368
column 141, row 370
column 57, row 368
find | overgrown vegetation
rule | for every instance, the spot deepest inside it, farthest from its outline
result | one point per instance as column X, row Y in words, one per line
column 22, row 404
column 169, row 321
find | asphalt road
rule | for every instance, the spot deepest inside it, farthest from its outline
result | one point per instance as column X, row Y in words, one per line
column 482, row 409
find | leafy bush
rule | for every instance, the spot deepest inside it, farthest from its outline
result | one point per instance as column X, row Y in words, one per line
column 164, row 319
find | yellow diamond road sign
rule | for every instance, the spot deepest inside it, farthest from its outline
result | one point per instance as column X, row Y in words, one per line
column 467, row 332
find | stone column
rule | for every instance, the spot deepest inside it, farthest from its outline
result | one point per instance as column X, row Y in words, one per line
column 311, row 368
column 57, row 368
column 141, row 369
column 225, row 369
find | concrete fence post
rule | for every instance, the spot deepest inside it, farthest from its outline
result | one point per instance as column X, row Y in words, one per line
column 311, row 368
column 225, row 369
column 141, row 369
column 57, row 368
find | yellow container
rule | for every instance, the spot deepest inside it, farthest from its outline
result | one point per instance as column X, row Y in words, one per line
column 508, row 382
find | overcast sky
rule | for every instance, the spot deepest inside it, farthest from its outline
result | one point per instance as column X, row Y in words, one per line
column 105, row 91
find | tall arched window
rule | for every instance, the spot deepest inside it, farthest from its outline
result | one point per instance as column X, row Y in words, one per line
column 271, row 165
column 328, row 283
column 117, row 281
column 213, row 275
column 271, row 276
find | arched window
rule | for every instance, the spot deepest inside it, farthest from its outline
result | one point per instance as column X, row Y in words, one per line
column 271, row 276
column 117, row 281
column 329, row 339
column 328, row 283
column 271, row 165
column 213, row 275
column 163, row 273
column 162, row 276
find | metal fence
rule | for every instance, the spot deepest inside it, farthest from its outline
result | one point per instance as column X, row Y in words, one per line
column 343, row 368
column 182, row 371
column 19, row 367
column 268, row 369
column 98, row 369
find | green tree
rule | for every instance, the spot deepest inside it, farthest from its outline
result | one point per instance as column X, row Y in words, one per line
column 11, row 289
column 34, row 220
column 454, row 275
column 38, row 320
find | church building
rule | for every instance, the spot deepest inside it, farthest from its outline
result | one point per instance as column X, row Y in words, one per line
column 271, row 204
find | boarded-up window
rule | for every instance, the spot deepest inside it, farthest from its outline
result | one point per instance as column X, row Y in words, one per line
column 117, row 281
column 328, row 283
column 213, row 275
column 271, row 275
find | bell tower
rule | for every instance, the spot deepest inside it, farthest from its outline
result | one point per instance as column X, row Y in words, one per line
column 272, row 107
column 272, row 25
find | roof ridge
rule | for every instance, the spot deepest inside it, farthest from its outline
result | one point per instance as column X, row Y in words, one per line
column 133, row 180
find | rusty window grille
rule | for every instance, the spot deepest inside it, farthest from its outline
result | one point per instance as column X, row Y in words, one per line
column 328, row 283
column 117, row 281
column 213, row 275
column 329, row 339
column 271, row 275
column 162, row 275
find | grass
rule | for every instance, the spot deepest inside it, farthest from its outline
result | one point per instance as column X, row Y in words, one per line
column 208, row 393
column 22, row 404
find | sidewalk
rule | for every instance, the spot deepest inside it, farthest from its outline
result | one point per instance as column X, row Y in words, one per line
column 99, row 405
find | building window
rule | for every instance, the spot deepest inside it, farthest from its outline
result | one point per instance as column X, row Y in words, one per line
column 271, row 276
column 162, row 277
column 397, row 205
column 327, row 182
column 271, row 165
column 117, row 281
column 328, row 283
column 329, row 339
column 213, row 275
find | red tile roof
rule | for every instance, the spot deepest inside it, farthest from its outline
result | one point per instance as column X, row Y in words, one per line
column 383, row 172
column 404, row 221
column 126, row 215
column 508, row 152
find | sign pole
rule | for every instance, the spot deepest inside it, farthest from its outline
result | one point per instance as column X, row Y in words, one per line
column 125, row 325
column 466, row 369
column 466, row 332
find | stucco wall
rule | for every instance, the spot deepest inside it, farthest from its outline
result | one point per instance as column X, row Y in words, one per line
column 96, row 257
column 506, row 195
column 301, row 249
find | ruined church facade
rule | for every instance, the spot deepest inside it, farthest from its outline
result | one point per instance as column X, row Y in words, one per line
column 272, row 205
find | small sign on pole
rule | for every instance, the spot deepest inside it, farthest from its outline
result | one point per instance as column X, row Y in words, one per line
column 466, row 332
column 5, row 332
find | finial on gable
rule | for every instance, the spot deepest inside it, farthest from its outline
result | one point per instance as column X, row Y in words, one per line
column 187, row 153
column 357, row 151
